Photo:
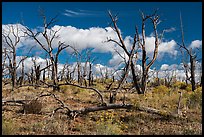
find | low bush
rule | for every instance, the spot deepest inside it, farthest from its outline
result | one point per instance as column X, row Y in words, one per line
column 161, row 89
column 108, row 125
column 195, row 98
column 179, row 84
column 33, row 107
column 8, row 127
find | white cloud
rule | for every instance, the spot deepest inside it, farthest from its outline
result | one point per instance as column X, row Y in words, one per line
column 170, row 30
column 164, row 47
column 12, row 30
column 196, row 44
column 80, row 13
column 178, row 70
column 164, row 67
column 94, row 37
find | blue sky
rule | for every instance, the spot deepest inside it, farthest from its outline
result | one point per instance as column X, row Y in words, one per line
column 84, row 15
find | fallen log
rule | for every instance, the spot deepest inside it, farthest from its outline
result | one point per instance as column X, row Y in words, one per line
column 166, row 114
column 4, row 102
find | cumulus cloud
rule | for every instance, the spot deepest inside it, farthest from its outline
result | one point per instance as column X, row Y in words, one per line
column 95, row 38
column 164, row 47
column 178, row 70
column 168, row 47
column 196, row 44
column 164, row 67
column 10, row 31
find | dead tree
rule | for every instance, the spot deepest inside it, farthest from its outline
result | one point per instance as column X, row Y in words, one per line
column 90, row 75
column 21, row 78
column 68, row 73
column 78, row 56
column 49, row 35
column 48, row 68
column 168, row 78
column 11, row 38
column 130, row 54
column 192, row 60
column 4, row 66
column 62, row 73
column 154, row 18
column 32, row 76
column 89, row 61
column 37, row 71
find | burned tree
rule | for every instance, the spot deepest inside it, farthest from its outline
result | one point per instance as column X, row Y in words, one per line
column 154, row 19
column 192, row 59
column 4, row 67
column 21, row 78
column 49, row 35
column 12, row 47
column 11, row 37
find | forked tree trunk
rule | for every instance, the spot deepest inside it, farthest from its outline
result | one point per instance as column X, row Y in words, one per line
column 135, row 82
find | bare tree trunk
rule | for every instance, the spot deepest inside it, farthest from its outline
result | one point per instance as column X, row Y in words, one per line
column 144, row 82
column 55, row 81
column 44, row 75
column 37, row 74
column 32, row 76
column 14, row 69
column 48, row 69
column 90, row 74
column 192, row 58
column 158, row 81
column 79, row 73
column 22, row 73
column 135, row 80
column 192, row 61
column 186, row 72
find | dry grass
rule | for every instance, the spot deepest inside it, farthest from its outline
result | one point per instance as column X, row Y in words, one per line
column 111, row 122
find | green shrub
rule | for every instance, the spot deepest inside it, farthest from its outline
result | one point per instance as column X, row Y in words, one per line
column 63, row 88
column 106, row 125
column 161, row 89
column 183, row 86
column 195, row 98
column 179, row 84
column 8, row 127
column 188, row 88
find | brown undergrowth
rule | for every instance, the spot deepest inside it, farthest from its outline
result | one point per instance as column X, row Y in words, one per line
column 109, row 122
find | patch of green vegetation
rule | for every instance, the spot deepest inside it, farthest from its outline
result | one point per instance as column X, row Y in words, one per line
column 100, row 86
column 64, row 88
column 161, row 89
column 108, row 124
column 8, row 127
column 195, row 98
